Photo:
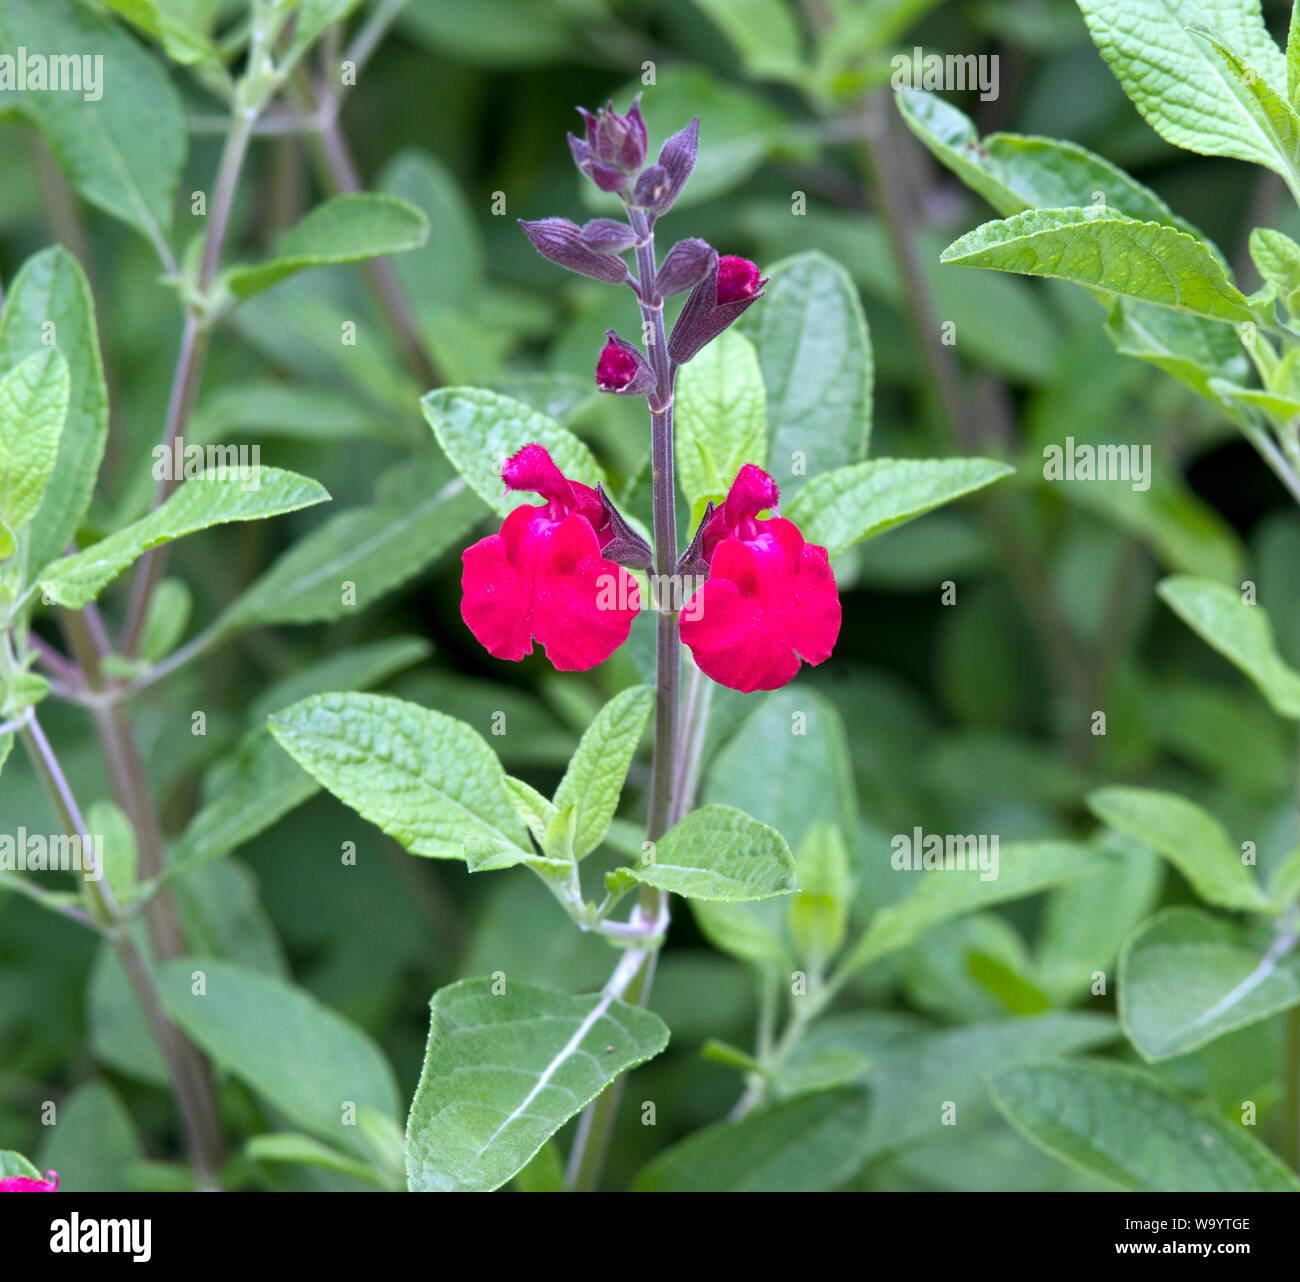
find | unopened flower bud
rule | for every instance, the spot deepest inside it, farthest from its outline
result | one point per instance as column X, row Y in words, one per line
column 684, row 266
column 651, row 188
column 722, row 296
column 738, row 278
column 622, row 369
column 608, row 236
column 677, row 159
column 614, row 148
column 561, row 241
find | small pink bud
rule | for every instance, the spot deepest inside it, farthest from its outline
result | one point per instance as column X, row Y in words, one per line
column 737, row 278
column 622, row 369
column 615, row 369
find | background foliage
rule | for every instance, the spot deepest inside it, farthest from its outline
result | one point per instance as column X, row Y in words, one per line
column 971, row 717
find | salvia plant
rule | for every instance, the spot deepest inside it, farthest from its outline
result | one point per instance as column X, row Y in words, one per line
column 660, row 720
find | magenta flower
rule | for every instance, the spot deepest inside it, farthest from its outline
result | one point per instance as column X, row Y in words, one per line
column 543, row 576
column 770, row 600
column 22, row 1184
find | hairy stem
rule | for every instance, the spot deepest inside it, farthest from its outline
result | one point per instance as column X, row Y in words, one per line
column 597, row 1122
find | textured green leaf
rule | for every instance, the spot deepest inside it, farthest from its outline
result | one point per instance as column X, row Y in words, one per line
column 720, row 419
column 1149, row 262
column 479, row 430
column 50, row 289
column 1128, row 1128
column 1186, row 977
column 123, row 151
column 804, row 1145
column 1014, row 172
column 1023, row 868
column 816, row 357
column 375, row 548
column 345, row 229
column 429, row 781
column 1192, row 839
column 719, row 853
column 1176, row 81
column 207, row 500
column 593, row 782
column 1240, row 632
column 503, row 1071
column 33, row 405
column 311, row 1064
column 840, row 508
column 1268, row 107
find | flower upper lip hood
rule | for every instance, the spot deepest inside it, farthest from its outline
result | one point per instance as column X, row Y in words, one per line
column 23, row 1184
column 770, row 601
column 542, row 576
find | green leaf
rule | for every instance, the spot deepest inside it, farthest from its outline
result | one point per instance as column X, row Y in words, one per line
column 816, row 358
column 1189, row 837
column 503, row 1071
column 720, row 421
column 303, row 1150
column 1277, row 259
column 763, row 33
column 1238, row 631
column 593, row 782
column 1128, row 1128
column 1186, row 977
column 211, row 499
column 1149, row 262
column 819, row 913
column 1085, row 922
column 841, row 508
column 109, row 823
column 1190, row 348
column 1022, row 868
column 374, row 549
column 480, row 430
column 345, row 229
column 123, row 150
column 183, row 29
column 50, row 290
column 168, row 616
column 93, row 1143
column 311, row 1064
column 1014, row 173
column 804, row 1145
column 429, row 781
column 33, row 405
column 258, row 786
column 719, row 853
column 15, row 1164
column 1272, row 113
column 1186, row 92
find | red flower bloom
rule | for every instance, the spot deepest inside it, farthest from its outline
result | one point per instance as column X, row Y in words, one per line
column 22, row 1184
column 770, row 598
column 543, row 575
